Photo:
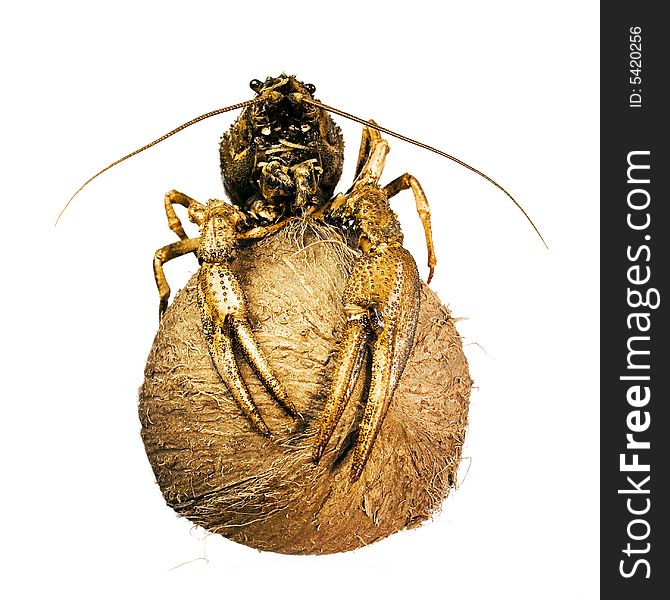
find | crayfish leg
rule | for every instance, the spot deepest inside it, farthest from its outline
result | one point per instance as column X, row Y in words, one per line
column 163, row 255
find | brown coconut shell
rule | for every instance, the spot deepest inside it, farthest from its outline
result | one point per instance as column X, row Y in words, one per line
column 215, row 470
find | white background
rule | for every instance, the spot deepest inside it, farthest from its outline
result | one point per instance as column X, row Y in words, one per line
column 510, row 87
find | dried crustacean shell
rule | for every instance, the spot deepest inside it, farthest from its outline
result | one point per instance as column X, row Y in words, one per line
column 217, row 471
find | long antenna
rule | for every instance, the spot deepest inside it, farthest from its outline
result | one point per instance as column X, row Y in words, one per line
column 212, row 113
column 426, row 147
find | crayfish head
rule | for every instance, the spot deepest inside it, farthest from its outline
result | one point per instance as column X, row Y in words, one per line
column 282, row 129
column 281, row 107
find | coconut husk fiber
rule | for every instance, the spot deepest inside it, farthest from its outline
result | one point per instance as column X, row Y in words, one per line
column 215, row 470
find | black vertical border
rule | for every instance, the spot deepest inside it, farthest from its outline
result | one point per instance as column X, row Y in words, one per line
column 625, row 129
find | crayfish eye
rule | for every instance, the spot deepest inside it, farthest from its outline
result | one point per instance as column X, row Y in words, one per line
column 310, row 87
column 255, row 85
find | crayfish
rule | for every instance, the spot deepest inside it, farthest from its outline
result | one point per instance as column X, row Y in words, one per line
column 281, row 160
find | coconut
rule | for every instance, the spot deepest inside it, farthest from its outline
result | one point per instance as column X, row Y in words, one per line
column 216, row 470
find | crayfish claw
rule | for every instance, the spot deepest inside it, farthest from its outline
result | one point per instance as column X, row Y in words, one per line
column 382, row 303
column 224, row 318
